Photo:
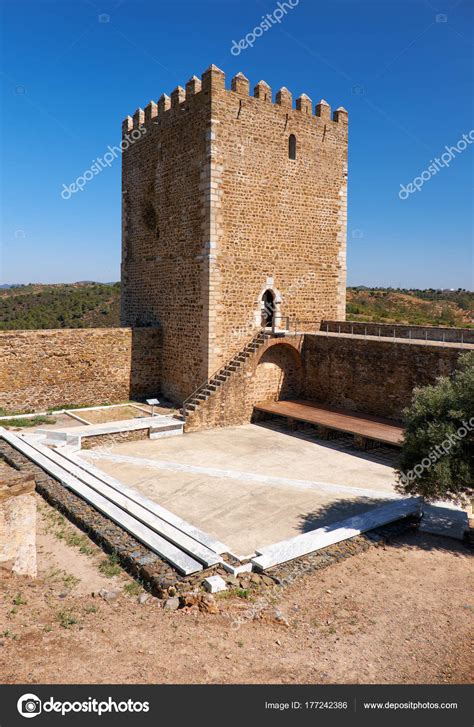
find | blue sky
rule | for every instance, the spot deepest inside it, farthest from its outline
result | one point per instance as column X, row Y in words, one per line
column 402, row 68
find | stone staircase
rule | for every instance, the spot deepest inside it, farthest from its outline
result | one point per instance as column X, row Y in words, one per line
column 213, row 384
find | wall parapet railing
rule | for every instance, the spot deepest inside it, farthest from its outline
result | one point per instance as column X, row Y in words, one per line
column 395, row 330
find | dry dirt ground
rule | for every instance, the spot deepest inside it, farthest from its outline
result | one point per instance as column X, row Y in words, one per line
column 393, row 614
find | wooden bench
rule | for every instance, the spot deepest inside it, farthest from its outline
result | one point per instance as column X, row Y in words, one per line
column 362, row 426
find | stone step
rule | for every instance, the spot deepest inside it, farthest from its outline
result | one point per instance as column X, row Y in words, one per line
column 47, row 460
column 216, row 545
column 135, row 506
column 299, row 545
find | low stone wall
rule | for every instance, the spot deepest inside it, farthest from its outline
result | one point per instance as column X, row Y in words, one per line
column 429, row 333
column 370, row 375
column 101, row 440
column 133, row 555
column 51, row 368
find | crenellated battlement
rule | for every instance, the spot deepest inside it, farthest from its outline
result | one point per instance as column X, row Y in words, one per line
column 213, row 80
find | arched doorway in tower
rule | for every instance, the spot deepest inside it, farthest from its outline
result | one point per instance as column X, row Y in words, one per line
column 268, row 309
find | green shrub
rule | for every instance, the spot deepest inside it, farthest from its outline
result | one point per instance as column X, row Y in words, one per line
column 437, row 458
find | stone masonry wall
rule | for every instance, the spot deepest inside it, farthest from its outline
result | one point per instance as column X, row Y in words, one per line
column 51, row 368
column 164, row 255
column 280, row 222
column 367, row 375
column 370, row 375
column 273, row 372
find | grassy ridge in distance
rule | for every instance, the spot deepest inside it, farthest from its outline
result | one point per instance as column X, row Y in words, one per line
column 97, row 305
column 78, row 305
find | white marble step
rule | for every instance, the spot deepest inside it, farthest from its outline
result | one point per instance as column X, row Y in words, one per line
column 444, row 519
column 169, row 552
column 322, row 537
column 199, row 535
column 159, row 426
column 197, row 550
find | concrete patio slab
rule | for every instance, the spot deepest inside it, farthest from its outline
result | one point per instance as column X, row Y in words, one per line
column 250, row 486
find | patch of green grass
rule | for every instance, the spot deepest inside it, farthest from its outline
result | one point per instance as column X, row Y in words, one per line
column 242, row 592
column 5, row 412
column 235, row 592
column 70, row 581
column 133, row 588
column 18, row 600
column 7, row 634
column 58, row 525
column 91, row 609
column 61, row 576
column 55, row 517
column 78, row 540
column 66, row 619
column 31, row 422
column 110, row 567
column 67, row 407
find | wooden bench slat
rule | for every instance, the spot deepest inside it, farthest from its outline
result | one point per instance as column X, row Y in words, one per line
column 363, row 425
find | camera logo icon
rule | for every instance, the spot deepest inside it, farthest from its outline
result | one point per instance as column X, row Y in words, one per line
column 29, row 705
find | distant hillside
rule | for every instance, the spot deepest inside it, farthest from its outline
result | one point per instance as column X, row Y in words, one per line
column 97, row 305
column 416, row 307
column 79, row 305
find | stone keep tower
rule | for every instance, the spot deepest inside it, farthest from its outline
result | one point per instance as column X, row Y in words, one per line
column 233, row 205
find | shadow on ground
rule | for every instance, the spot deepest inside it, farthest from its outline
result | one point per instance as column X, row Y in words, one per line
column 380, row 453
column 441, row 520
column 339, row 510
column 441, row 528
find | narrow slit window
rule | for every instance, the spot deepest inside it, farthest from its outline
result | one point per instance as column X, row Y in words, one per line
column 292, row 146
